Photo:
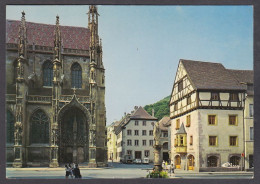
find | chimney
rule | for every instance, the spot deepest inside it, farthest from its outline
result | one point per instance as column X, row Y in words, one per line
column 153, row 112
column 125, row 113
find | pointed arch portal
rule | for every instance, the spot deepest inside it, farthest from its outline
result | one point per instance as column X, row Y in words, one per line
column 73, row 138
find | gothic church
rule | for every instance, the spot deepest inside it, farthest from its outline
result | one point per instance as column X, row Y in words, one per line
column 55, row 98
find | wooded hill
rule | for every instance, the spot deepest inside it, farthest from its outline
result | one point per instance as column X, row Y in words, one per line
column 161, row 108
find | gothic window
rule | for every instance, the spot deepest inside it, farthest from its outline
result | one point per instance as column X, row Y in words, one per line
column 10, row 127
column 76, row 76
column 39, row 128
column 47, row 73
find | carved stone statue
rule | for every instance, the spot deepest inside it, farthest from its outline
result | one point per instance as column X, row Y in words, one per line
column 156, row 133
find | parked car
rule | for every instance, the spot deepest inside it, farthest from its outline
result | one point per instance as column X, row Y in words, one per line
column 127, row 159
column 137, row 161
column 146, row 161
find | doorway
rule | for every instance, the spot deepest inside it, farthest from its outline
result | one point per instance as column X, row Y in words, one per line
column 73, row 142
column 138, row 154
column 191, row 162
column 177, row 161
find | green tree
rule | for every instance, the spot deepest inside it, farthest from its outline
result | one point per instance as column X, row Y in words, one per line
column 161, row 108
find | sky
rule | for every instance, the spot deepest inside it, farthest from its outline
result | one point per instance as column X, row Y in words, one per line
column 142, row 45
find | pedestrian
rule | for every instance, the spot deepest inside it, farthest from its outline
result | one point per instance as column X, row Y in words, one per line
column 163, row 164
column 172, row 168
column 77, row 171
column 67, row 169
column 71, row 172
column 166, row 164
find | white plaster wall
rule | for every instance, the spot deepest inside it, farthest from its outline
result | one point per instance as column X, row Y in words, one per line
column 249, row 122
column 222, row 130
column 131, row 126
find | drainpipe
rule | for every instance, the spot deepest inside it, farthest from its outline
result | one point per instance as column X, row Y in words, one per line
column 244, row 142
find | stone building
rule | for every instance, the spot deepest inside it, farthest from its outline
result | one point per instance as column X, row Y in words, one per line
column 245, row 77
column 207, row 117
column 165, row 139
column 112, row 141
column 55, row 101
column 135, row 135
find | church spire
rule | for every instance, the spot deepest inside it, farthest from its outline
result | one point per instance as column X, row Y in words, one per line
column 93, row 27
column 57, row 40
column 22, row 37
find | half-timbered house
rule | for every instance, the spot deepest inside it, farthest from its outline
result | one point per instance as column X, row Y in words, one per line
column 207, row 120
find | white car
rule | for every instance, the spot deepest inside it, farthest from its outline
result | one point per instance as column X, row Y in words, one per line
column 137, row 161
column 146, row 161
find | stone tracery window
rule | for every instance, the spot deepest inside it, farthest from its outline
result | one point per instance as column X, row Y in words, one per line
column 47, row 73
column 76, row 76
column 39, row 128
column 10, row 127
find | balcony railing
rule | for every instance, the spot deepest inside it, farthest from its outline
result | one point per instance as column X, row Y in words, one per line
column 39, row 99
column 68, row 98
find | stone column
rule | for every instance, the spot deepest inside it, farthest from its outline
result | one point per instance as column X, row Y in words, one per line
column 54, row 146
column 19, row 113
column 157, row 159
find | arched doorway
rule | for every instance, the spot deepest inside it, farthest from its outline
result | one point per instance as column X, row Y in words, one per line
column 73, row 141
column 177, row 161
column 191, row 162
column 212, row 161
column 234, row 160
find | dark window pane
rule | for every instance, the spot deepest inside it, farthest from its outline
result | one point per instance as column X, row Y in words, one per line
column 76, row 76
column 39, row 127
column 47, row 73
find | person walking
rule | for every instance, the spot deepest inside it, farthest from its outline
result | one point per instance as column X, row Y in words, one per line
column 172, row 168
column 77, row 171
column 163, row 164
column 166, row 164
column 71, row 172
column 67, row 170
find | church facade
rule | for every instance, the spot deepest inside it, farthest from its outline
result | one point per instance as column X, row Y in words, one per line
column 55, row 98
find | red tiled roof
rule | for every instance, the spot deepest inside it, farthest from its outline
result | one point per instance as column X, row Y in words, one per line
column 140, row 113
column 43, row 35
